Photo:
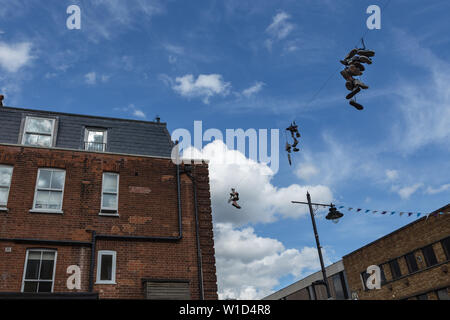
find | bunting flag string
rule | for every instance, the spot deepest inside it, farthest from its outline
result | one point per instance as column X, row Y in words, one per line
column 392, row 213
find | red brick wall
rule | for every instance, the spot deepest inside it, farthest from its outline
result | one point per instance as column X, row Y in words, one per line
column 147, row 207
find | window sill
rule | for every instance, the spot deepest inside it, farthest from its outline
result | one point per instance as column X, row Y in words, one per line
column 103, row 282
column 107, row 214
column 4, row 209
column 46, row 211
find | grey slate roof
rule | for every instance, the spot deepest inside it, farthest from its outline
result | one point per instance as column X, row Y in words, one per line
column 124, row 136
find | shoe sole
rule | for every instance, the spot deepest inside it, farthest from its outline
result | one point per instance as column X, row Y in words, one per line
column 353, row 93
column 356, row 105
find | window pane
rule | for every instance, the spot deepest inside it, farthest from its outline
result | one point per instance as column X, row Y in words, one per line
column 95, row 136
column 48, row 255
column 5, row 176
column 39, row 125
column 106, row 267
column 3, row 196
column 42, row 199
column 338, row 287
column 110, row 183
column 44, row 141
column 46, row 270
column 57, row 180
column 395, row 269
column 31, row 139
column 55, row 200
column 443, row 294
column 411, row 262
column 45, row 286
column 30, row 286
column 38, row 140
column 446, row 245
column 44, row 178
column 430, row 257
column 422, row 297
column 32, row 272
column 109, row 201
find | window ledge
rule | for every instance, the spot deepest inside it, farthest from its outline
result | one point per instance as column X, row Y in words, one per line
column 4, row 209
column 46, row 211
column 107, row 214
column 105, row 282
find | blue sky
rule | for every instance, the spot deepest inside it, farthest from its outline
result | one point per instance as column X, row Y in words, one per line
column 259, row 64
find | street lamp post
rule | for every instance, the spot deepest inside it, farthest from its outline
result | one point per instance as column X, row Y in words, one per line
column 332, row 215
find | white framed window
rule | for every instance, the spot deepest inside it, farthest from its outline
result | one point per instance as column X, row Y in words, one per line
column 110, row 194
column 5, row 184
column 38, row 131
column 106, row 267
column 39, row 270
column 95, row 139
column 49, row 190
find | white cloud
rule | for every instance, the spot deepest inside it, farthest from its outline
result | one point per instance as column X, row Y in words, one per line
column 174, row 49
column 92, row 77
column 307, row 171
column 249, row 266
column 205, row 86
column 280, row 26
column 407, row 191
column 131, row 108
column 230, row 168
column 440, row 189
column 279, row 29
column 391, row 174
column 425, row 108
column 253, row 89
column 14, row 56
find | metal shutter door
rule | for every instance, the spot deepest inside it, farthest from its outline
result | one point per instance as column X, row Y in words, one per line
column 167, row 290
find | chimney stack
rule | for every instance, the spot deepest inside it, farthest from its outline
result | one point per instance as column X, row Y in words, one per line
column 158, row 119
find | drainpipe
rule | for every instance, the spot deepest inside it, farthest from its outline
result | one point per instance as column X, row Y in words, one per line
column 91, row 268
column 187, row 170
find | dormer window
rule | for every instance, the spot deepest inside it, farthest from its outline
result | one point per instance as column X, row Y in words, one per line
column 95, row 139
column 38, row 132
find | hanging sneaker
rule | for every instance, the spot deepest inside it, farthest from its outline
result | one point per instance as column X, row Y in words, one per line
column 289, row 159
column 349, row 85
column 360, row 84
column 352, row 94
column 344, row 62
column 359, row 66
column 296, row 149
column 356, row 105
column 363, row 59
column 298, row 134
column 354, row 70
column 234, row 204
column 345, row 74
column 288, row 147
column 366, row 53
column 351, row 54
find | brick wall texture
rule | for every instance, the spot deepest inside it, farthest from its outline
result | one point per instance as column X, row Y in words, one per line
column 147, row 207
column 412, row 238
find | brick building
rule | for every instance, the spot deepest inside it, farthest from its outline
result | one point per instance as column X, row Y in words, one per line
column 102, row 194
column 414, row 262
column 309, row 287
